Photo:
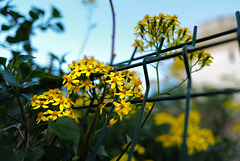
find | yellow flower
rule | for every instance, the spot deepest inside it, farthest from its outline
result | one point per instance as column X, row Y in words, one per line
column 52, row 91
column 149, row 105
column 137, row 83
column 101, row 68
column 139, row 149
column 124, row 92
column 236, row 127
column 111, row 122
column 42, row 104
column 69, row 102
column 53, row 115
column 62, row 102
column 34, row 100
column 198, row 139
column 71, row 83
column 164, row 118
column 69, row 113
column 101, row 106
column 50, row 98
column 41, row 117
column 115, row 80
column 87, row 85
column 89, row 70
column 122, row 108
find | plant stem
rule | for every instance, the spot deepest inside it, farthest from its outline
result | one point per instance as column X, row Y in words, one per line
column 90, row 135
column 166, row 92
column 158, row 80
column 113, row 31
column 24, row 118
column 90, row 26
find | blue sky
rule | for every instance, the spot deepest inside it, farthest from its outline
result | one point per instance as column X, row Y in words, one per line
column 128, row 13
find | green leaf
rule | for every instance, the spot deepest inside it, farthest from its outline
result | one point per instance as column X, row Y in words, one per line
column 128, row 139
column 3, row 110
column 40, row 11
column 101, row 151
column 26, row 96
column 14, row 112
column 55, row 12
column 33, row 154
column 40, row 74
column 28, row 84
column 33, row 15
column 11, row 39
column 6, row 151
column 63, row 60
column 53, row 56
column 10, row 78
column 53, row 153
column 4, row 95
column 19, row 76
column 3, row 61
column 5, row 27
column 66, row 128
column 9, row 127
column 22, row 58
column 75, row 158
column 16, row 15
column 22, row 33
column 60, row 26
column 27, row 47
column 10, row 65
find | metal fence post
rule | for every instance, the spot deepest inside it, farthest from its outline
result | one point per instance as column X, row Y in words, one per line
column 139, row 121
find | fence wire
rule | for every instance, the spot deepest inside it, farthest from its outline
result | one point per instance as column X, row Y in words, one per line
column 154, row 57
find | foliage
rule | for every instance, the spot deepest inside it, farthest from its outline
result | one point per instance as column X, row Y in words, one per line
column 25, row 26
column 47, row 114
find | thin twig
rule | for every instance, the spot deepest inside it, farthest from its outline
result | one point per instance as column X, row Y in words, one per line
column 90, row 26
column 113, row 31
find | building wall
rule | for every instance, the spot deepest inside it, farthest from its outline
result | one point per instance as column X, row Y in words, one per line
column 225, row 69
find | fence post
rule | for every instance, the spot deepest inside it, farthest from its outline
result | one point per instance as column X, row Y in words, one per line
column 183, row 150
column 238, row 26
column 139, row 121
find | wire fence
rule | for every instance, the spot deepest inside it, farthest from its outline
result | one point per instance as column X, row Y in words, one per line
column 154, row 57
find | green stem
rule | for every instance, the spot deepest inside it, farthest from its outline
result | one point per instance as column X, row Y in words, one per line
column 166, row 92
column 90, row 135
column 158, row 80
column 24, row 118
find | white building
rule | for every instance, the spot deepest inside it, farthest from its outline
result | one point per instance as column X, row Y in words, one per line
column 224, row 72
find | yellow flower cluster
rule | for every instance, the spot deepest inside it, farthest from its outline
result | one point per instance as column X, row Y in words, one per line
column 126, row 85
column 200, row 58
column 82, row 74
column 52, row 104
column 151, row 30
column 198, row 139
column 230, row 104
column 98, row 80
column 89, row 78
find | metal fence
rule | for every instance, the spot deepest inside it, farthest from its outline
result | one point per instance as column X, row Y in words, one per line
column 154, row 57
